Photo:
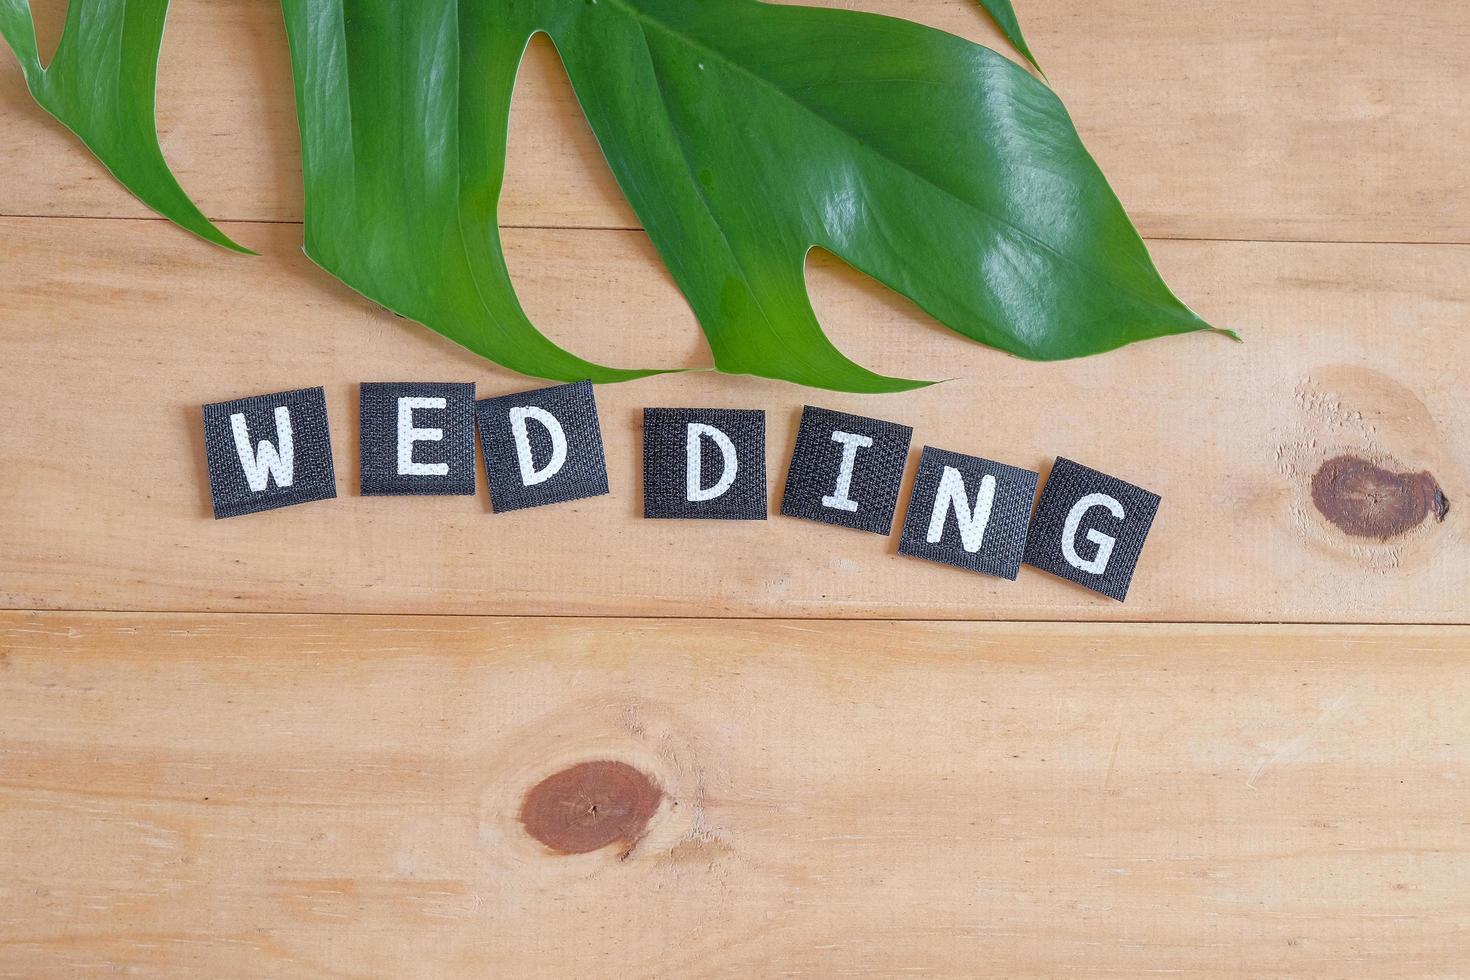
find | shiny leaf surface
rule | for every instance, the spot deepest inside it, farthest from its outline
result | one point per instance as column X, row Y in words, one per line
column 744, row 134
column 403, row 111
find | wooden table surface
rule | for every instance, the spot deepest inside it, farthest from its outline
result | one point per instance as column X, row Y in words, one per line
column 342, row 740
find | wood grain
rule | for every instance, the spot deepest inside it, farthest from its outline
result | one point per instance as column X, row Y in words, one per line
column 259, row 796
column 117, row 331
column 253, row 792
column 1291, row 120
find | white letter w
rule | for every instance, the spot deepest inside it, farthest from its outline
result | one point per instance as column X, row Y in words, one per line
column 266, row 462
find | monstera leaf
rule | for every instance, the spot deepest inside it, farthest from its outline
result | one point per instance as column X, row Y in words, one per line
column 744, row 134
column 100, row 86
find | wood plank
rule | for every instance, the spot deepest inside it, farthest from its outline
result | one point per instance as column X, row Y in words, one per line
column 115, row 332
column 255, row 796
column 1291, row 120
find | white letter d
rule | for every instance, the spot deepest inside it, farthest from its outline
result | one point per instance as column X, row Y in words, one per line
column 530, row 476
column 695, row 491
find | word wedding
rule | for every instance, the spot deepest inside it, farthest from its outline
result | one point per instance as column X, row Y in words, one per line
column 545, row 447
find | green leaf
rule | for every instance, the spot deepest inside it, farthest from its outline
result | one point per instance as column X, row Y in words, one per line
column 100, row 85
column 744, row 134
column 1004, row 15
column 403, row 110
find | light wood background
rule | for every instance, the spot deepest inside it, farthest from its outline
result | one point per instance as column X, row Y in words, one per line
column 299, row 744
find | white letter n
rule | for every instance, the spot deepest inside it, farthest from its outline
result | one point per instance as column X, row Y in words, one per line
column 972, row 522
column 261, row 464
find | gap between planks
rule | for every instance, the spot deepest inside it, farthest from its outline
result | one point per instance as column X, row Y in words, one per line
column 1450, row 243
column 1116, row 624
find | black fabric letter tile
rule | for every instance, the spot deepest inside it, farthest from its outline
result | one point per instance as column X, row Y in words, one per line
column 704, row 463
column 269, row 451
column 969, row 512
column 1090, row 528
column 846, row 470
column 542, row 447
column 417, row 438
